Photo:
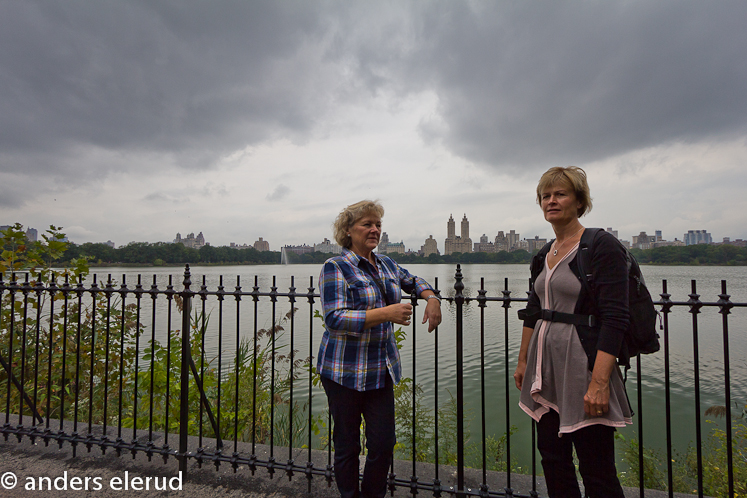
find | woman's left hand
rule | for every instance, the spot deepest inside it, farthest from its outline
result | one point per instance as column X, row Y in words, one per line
column 432, row 314
column 597, row 398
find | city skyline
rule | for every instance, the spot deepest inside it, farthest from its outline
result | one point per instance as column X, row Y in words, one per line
column 504, row 241
column 132, row 121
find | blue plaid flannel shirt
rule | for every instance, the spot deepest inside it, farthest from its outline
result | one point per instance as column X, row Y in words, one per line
column 350, row 355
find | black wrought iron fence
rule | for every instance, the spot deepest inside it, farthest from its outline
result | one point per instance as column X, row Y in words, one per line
column 120, row 358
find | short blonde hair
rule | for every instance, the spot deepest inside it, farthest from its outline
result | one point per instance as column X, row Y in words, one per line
column 349, row 216
column 573, row 178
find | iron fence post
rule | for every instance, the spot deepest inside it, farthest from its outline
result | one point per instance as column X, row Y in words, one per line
column 725, row 306
column 459, row 300
column 184, row 372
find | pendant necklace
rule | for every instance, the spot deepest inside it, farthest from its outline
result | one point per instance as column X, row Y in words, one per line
column 555, row 252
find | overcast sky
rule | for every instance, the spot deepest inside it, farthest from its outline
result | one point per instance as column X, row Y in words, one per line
column 135, row 120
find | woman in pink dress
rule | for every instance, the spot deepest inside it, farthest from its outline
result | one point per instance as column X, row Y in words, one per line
column 567, row 372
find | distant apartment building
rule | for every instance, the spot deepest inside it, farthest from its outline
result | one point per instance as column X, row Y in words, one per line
column 484, row 245
column 386, row 247
column 513, row 239
column 501, row 242
column 455, row 243
column 430, row 247
column 693, row 237
column 643, row 241
column 304, row 249
column 191, row 241
column 507, row 241
column 383, row 242
column 613, row 232
column 535, row 244
column 261, row 245
column 109, row 243
column 736, row 242
column 665, row 243
column 327, row 247
column 395, row 248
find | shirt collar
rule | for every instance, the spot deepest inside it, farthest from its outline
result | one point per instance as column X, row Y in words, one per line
column 355, row 259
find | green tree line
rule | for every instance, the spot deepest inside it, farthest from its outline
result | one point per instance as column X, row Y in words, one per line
column 163, row 253
column 700, row 254
column 515, row 257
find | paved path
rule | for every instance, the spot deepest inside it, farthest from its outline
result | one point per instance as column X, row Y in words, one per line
column 105, row 475
column 25, row 463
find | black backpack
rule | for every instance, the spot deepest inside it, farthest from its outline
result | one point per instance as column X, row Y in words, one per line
column 641, row 336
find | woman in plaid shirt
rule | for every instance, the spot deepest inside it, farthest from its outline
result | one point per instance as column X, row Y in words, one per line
column 358, row 357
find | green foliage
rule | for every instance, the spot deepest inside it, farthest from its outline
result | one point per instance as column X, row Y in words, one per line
column 685, row 466
column 700, row 254
column 53, row 341
column 514, row 257
column 79, row 360
column 715, row 477
column 163, row 253
column 653, row 475
column 495, row 449
column 403, row 401
column 252, row 418
column 37, row 257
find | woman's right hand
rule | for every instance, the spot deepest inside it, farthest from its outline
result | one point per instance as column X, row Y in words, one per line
column 519, row 374
column 521, row 367
column 400, row 313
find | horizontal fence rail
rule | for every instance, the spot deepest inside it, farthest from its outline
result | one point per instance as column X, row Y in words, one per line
column 234, row 363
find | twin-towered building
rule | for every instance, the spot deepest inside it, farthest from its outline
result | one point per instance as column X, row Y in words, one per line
column 457, row 243
column 509, row 241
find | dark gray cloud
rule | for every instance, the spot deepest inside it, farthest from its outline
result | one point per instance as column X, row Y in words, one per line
column 567, row 82
column 519, row 84
column 193, row 78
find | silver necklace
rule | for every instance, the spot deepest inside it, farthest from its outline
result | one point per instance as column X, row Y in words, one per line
column 555, row 252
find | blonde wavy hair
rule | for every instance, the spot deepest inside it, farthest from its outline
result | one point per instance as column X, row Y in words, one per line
column 572, row 178
column 349, row 216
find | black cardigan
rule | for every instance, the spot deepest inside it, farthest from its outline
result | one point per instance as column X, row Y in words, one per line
column 609, row 281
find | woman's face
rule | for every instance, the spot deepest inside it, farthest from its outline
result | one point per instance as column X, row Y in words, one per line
column 559, row 204
column 365, row 234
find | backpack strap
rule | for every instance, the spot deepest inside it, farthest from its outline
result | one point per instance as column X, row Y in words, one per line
column 583, row 260
column 538, row 260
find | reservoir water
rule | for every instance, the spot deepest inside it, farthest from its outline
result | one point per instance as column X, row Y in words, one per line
column 422, row 345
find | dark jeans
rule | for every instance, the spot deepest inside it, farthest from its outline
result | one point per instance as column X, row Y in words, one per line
column 595, row 449
column 377, row 407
